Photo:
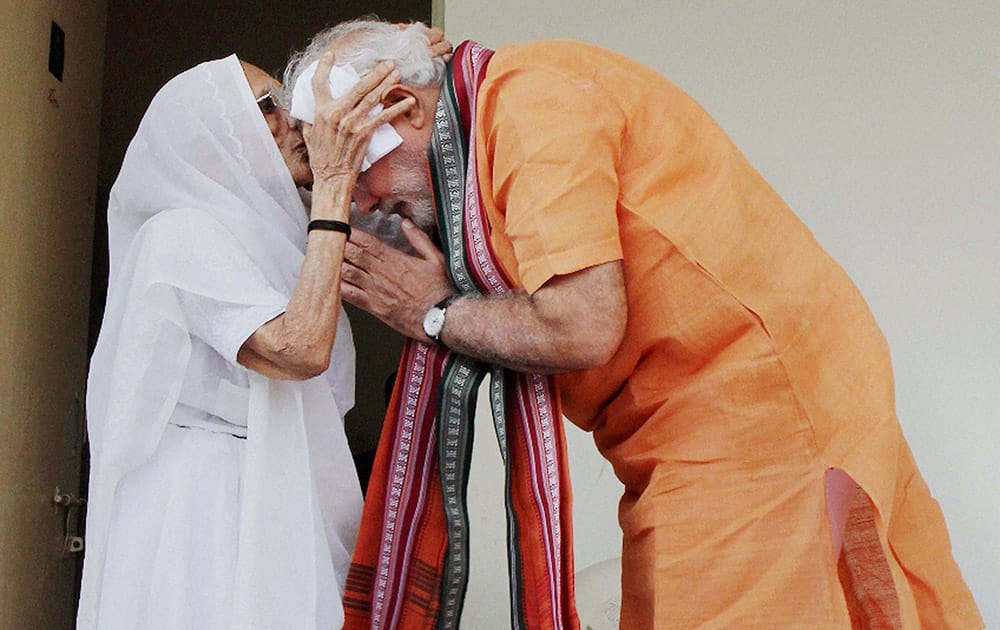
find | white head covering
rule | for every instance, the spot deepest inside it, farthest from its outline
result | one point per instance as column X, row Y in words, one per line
column 204, row 212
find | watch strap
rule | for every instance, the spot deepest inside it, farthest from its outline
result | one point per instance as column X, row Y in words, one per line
column 443, row 304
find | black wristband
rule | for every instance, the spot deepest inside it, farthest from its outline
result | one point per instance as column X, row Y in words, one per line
column 333, row 226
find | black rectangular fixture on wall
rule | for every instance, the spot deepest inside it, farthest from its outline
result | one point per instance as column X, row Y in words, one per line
column 57, row 51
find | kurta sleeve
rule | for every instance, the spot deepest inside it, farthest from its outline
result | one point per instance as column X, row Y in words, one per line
column 223, row 295
column 553, row 144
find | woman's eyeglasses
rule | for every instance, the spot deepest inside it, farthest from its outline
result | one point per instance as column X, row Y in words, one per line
column 267, row 103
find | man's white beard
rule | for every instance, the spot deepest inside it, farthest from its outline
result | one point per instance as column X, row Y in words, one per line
column 412, row 196
column 384, row 227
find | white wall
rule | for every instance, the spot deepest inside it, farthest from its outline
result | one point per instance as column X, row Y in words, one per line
column 880, row 124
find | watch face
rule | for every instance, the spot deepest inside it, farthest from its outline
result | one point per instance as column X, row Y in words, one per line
column 434, row 322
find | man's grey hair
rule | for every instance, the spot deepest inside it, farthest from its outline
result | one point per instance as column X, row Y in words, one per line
column 365, row 42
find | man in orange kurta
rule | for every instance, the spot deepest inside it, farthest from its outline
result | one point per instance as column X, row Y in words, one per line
column 723, row 361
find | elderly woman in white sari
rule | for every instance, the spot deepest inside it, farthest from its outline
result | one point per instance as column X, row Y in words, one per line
column 223, row 493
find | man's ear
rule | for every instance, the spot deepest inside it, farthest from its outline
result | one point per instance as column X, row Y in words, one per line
column 417, row 116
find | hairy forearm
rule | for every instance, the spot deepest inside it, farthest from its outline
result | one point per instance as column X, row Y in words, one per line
column 507, row 331
column 572, row 323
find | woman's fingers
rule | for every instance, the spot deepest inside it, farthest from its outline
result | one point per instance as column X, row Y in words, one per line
column 358, row 92
column 434, row 35
column 440, row 47
column 384, row 70
column 360, row 113
column 321, row 79
column 391, row 112
column 378, row 93
column 374, row 96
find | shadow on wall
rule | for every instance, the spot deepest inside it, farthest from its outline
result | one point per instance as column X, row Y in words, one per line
column 599, row 595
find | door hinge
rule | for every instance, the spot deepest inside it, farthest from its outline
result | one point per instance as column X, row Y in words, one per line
column 74, row 507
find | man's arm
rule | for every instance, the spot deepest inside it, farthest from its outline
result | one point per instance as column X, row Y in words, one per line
column 574, row 321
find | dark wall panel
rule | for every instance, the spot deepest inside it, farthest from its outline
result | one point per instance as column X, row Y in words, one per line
column 150, row 42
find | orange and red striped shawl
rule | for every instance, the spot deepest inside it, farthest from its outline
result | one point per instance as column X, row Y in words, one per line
column 411, row 562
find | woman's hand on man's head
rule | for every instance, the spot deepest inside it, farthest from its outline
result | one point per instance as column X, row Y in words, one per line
column 342, row 128
column 440, row 47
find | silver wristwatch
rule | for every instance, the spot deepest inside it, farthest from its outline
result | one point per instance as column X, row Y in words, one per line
column 434, row 318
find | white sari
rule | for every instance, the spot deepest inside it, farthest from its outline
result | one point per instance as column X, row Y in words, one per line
column 218, row 498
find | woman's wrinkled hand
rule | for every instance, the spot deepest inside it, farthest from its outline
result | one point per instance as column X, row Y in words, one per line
column 440, row 47
column 342, row 128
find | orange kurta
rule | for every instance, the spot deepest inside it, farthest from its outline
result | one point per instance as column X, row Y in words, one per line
column 750, row 363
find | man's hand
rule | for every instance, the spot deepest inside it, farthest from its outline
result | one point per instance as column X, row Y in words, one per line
column 393, row 286
column 573, row 322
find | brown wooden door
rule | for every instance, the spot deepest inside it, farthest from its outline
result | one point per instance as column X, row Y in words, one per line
column 48, row 171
